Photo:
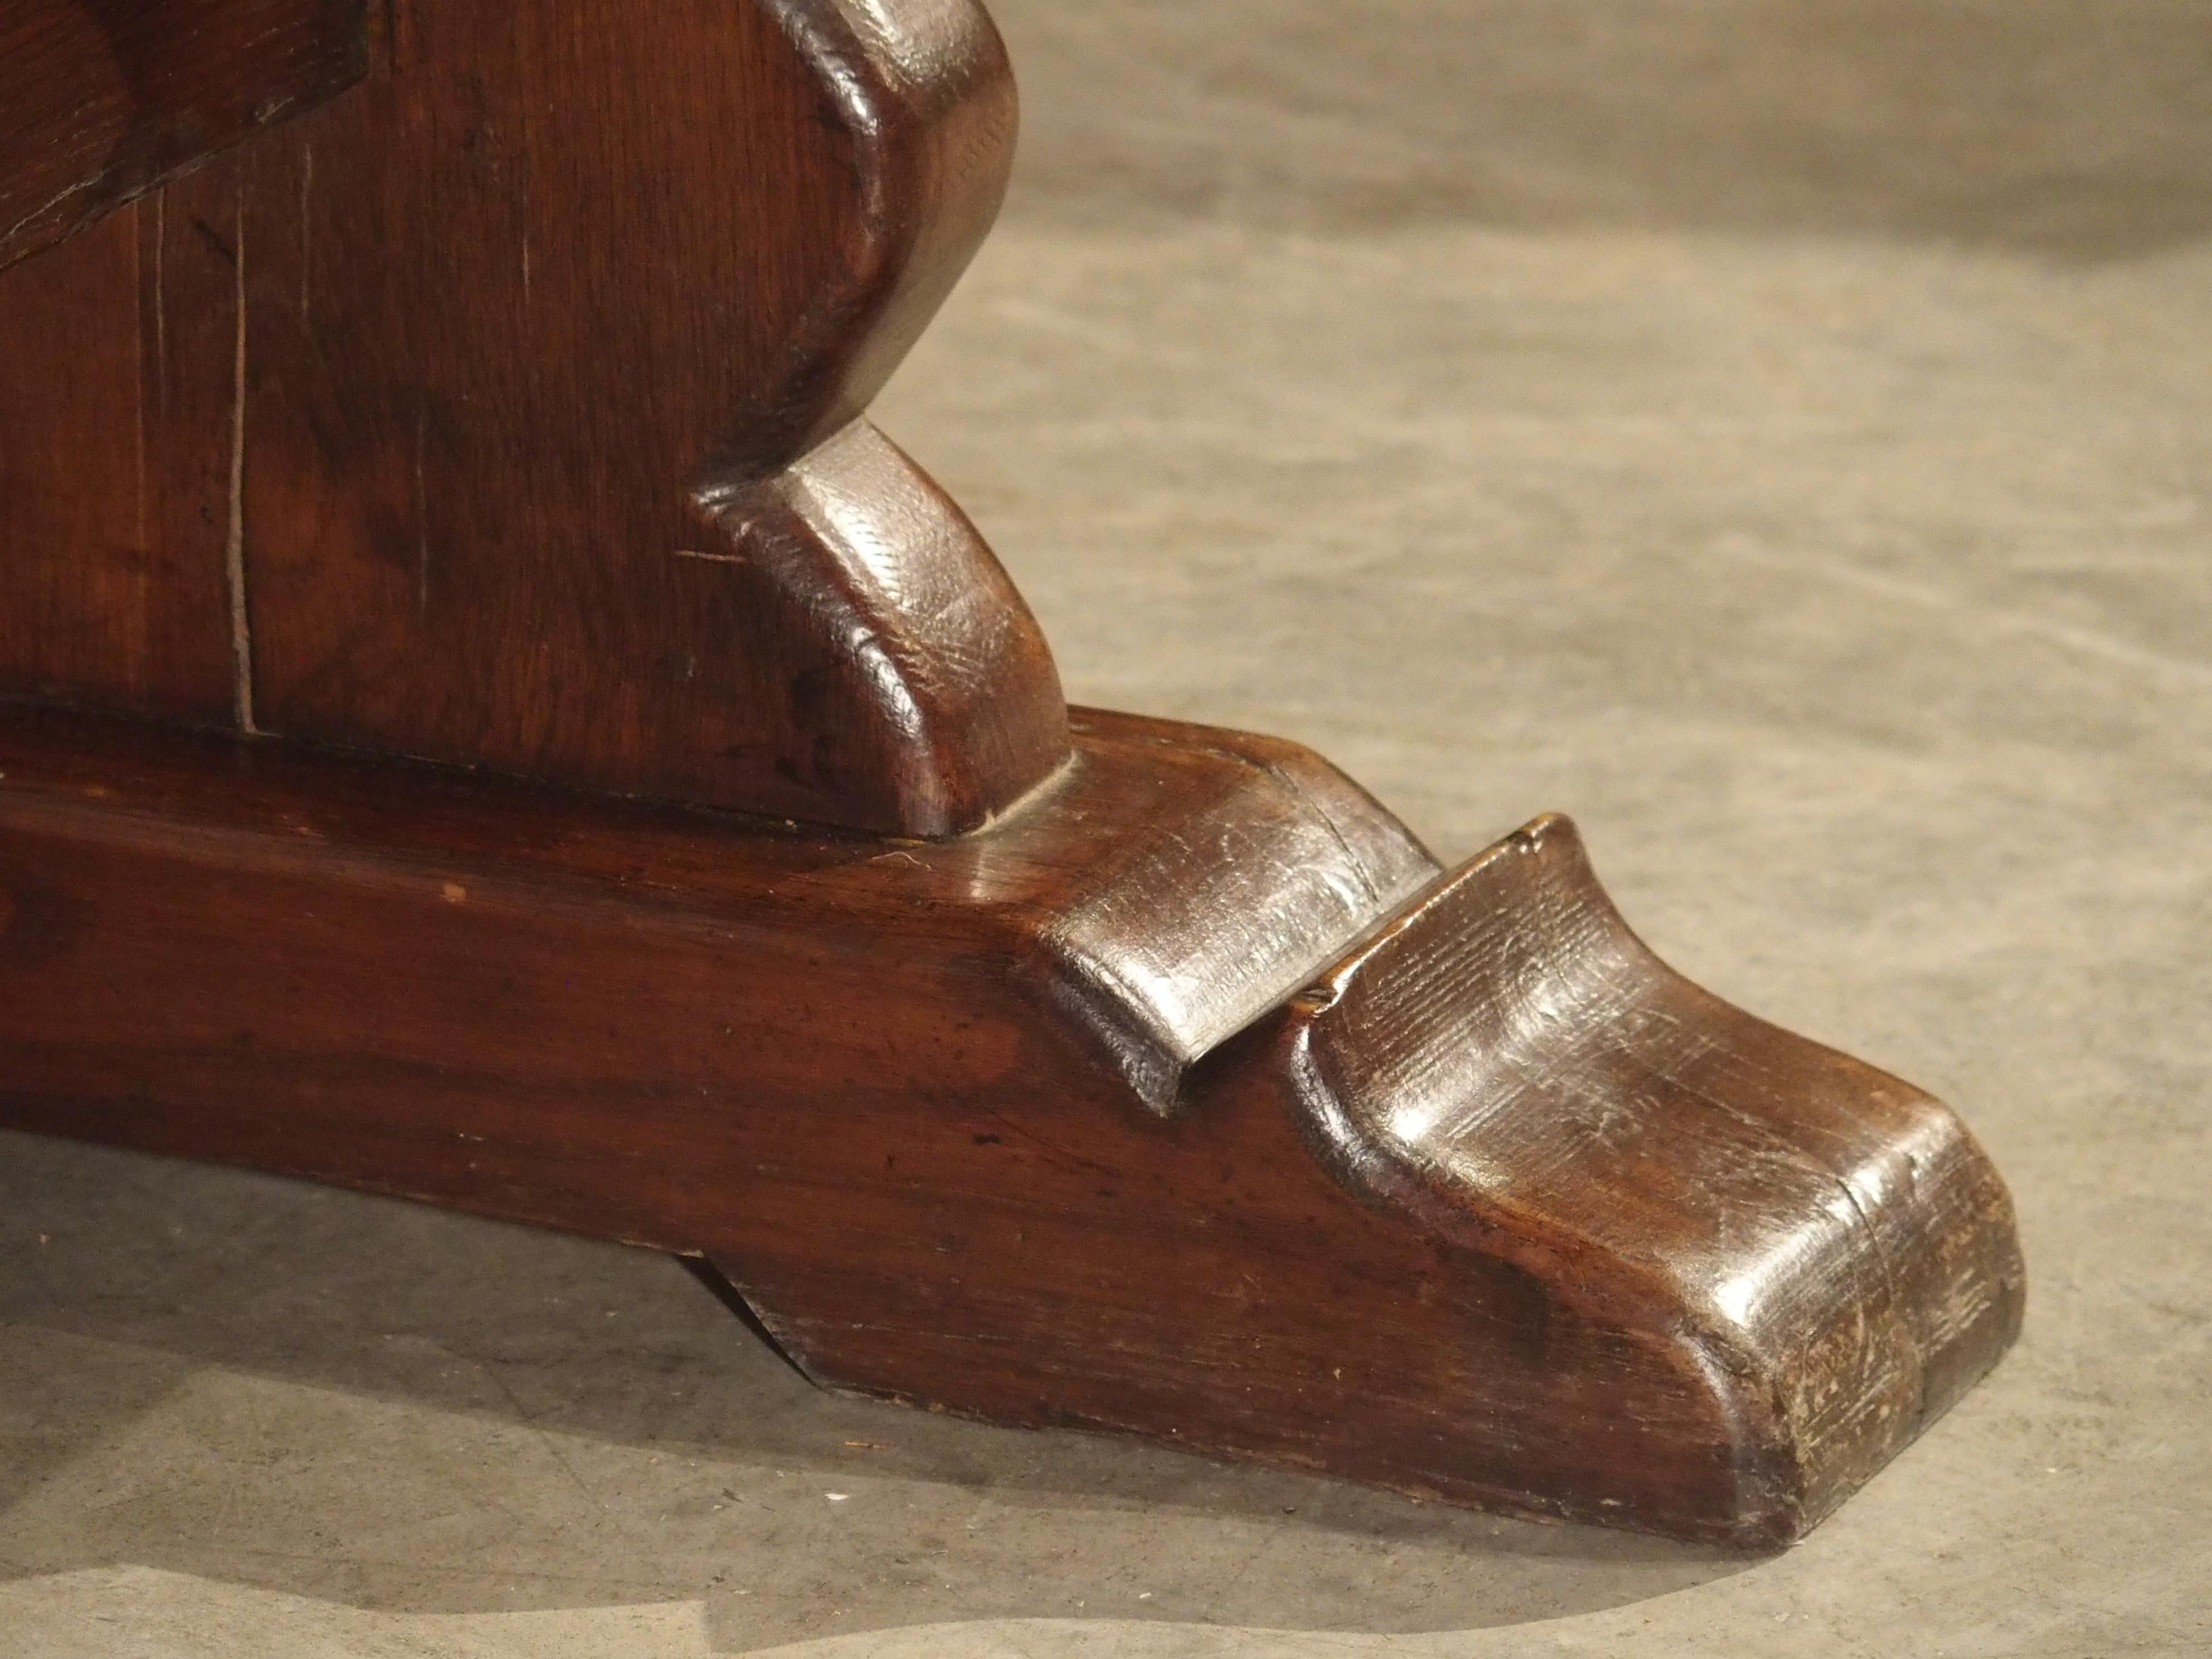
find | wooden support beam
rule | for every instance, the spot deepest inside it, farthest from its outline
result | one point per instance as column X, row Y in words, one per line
column 534, row 372
column 510, row 413
column 1191, row 1100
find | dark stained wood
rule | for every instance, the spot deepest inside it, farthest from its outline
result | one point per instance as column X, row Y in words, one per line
column 1508, row 1062
column 118, row 365
column 101, row 99
column 539, row 446
column 905, row 686
column 551, row 336
column 509, row 411
column 1191, row 1100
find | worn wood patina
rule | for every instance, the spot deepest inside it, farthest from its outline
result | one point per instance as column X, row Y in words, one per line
column 489, row 719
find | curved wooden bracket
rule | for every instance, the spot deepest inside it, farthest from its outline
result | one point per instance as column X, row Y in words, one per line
column 921, row 100
column 920, row 696
column 1816, row 1251
column 487, row 332
column 102, row 99
column 1193, row 1099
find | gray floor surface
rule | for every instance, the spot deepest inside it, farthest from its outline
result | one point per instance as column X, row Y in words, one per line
column 1778, row 435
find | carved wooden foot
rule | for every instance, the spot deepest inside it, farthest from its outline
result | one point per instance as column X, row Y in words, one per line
column 497, row 397
column 1191, row 1100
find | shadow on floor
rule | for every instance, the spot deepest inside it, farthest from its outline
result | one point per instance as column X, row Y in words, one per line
column 367, row 1401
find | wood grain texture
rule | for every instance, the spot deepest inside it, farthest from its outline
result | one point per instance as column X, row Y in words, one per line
column 101, row 100
column 906, row 686
column 509, row 411
column 118, row 370
column 520, row 426
column 1508, row 1062
column 556, row 340
column 1481, row 1200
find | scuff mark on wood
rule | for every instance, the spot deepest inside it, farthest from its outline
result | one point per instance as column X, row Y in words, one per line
column 306, row 236
column 241, row 627
column 161, row 301
column 422, row 513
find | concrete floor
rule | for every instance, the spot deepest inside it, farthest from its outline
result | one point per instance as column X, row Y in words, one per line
column 1780, row 436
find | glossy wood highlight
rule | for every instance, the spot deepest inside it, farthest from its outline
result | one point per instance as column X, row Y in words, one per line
column 520, row 424
column 553, row 336
column 1448, row 1186
column 117, row 459
column 508, row 411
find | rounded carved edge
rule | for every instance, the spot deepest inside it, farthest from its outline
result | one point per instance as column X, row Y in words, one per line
column 920, row 697
column 921, row 94
column 1508, row 1067
column 1269, row 881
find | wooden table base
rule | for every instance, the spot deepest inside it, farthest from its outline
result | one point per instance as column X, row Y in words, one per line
column 1188, row 1098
